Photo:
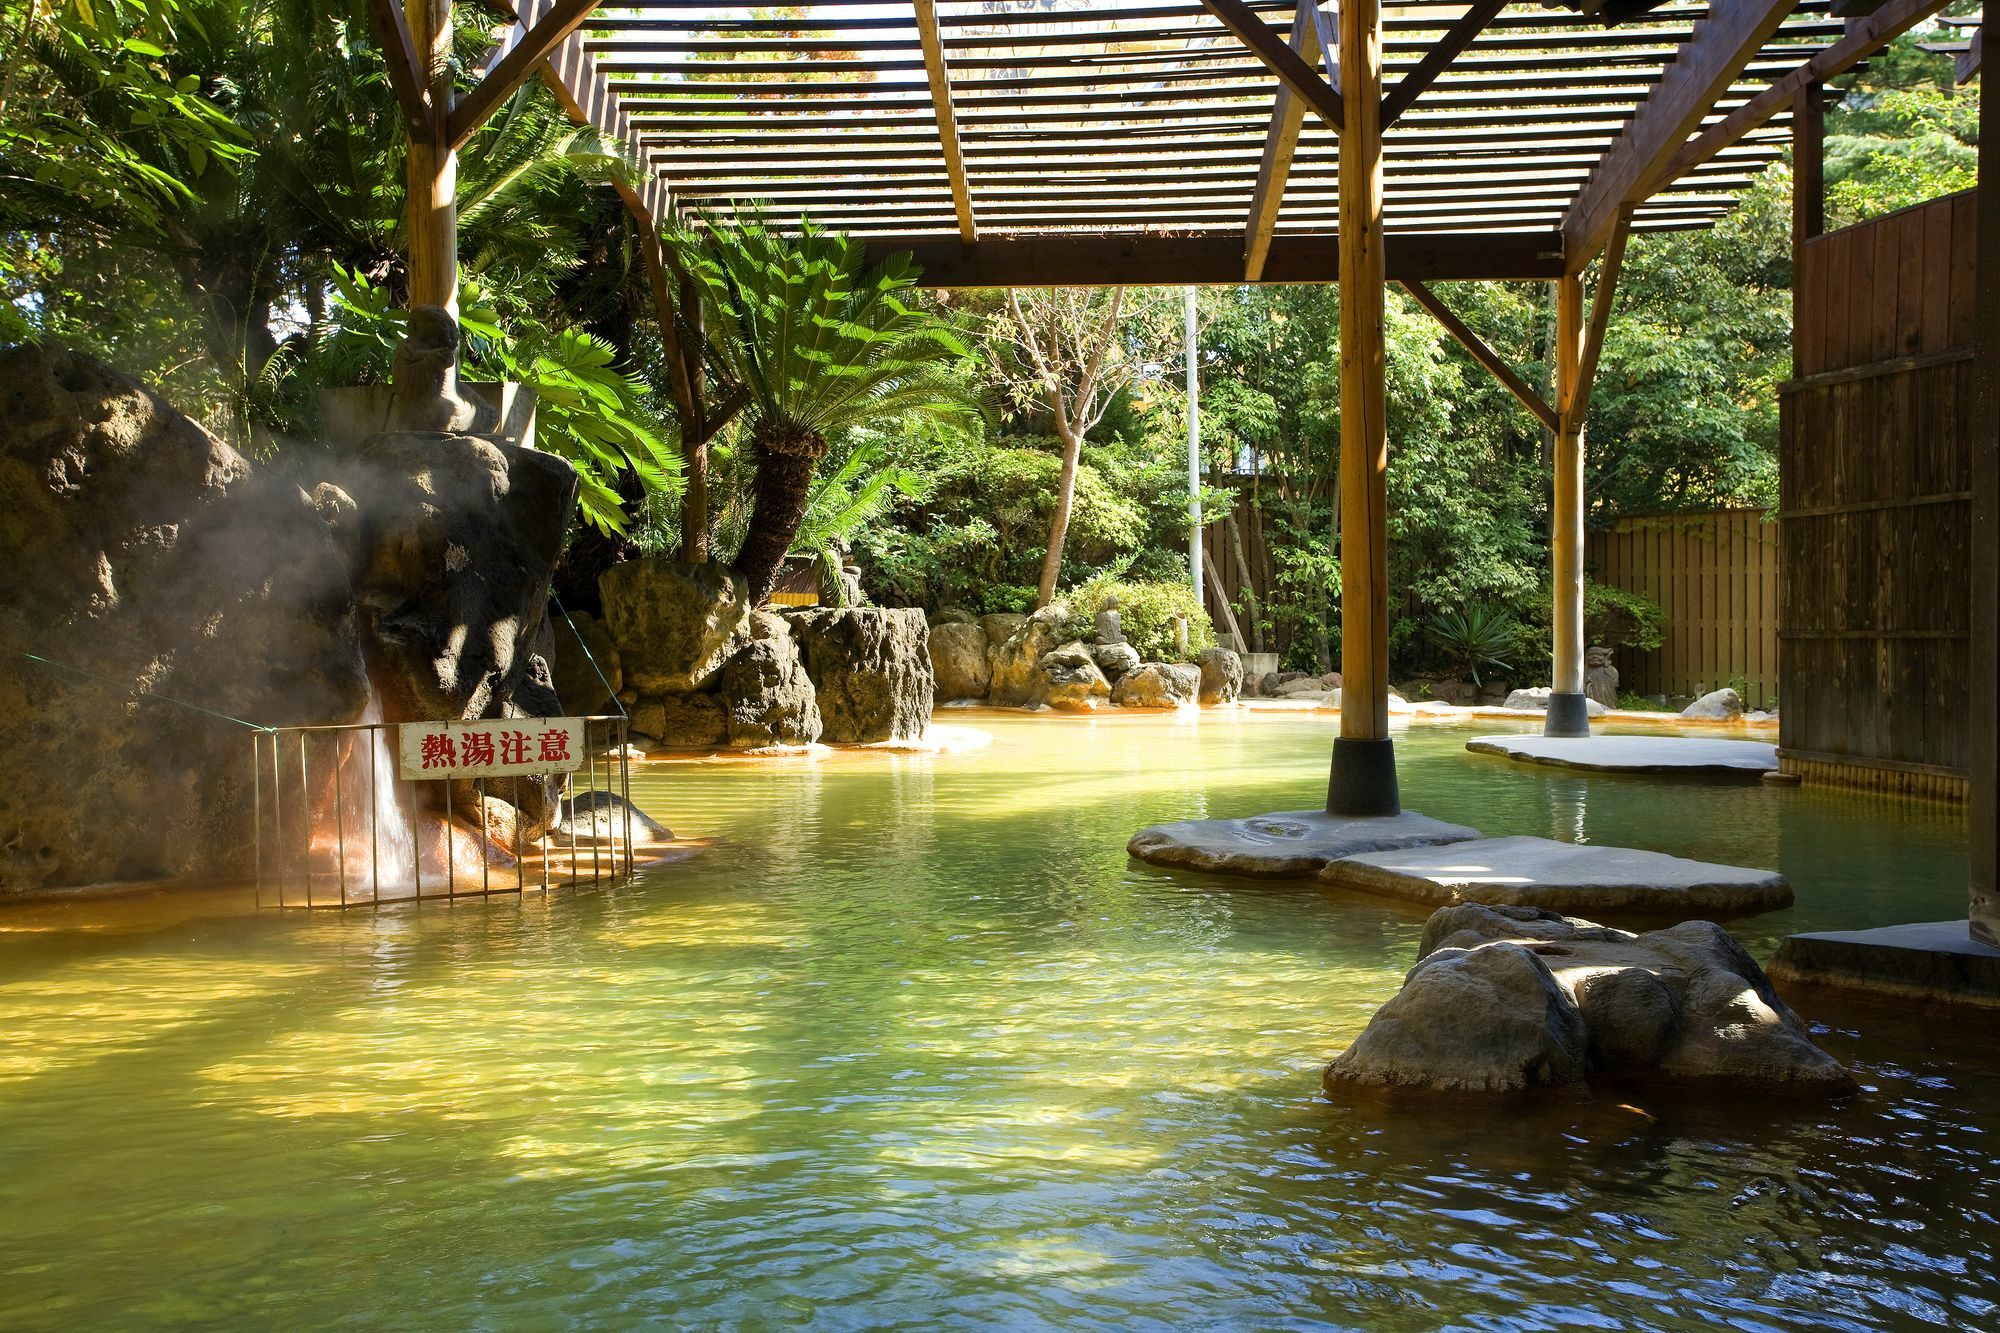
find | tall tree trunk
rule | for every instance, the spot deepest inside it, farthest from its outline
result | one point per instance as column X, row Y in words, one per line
column 1249, row 582
column 1059, row 522
column 694, row 507
column 785, row 461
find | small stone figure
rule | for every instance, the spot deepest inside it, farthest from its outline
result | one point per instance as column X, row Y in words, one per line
column 427, row 395
column 1600, row 678
column 1109, row 629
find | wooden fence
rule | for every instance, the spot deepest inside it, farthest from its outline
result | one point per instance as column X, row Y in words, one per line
column 1715, row 575
column 1876, row 511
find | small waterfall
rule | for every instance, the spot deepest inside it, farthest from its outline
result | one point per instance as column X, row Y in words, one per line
column 381, row 846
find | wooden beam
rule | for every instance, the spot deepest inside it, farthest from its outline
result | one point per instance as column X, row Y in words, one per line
column 408, row 76
column 1578, row 404
column 1436, row 60
column 947, row 118
column 1212, row 259
column 1983, row 821
column 531, row 49
column 1292, row 70
column 1566, row 509
column 1723, row 42
column 1482, row 353
column 1864, row 38
column 1281, row 141
column 432, row 167
column 1364, row 427
column 1808, row 163
column 586, row 96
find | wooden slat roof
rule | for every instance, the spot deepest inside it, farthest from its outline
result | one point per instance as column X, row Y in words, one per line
column 1147, row 119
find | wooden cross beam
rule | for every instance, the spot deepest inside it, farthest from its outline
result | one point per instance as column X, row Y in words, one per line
column 408, row 78
column 1292, row 69
column 1723, row 42
column 1577, row 405
column 947, row 118
column 535, row 43
column 1864, row 38
column 1281, row 142
column 1482, row 353
column 1436, row 60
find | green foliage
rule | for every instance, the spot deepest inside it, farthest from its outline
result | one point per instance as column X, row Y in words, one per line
column 822, row 342
column 1146, row 614
column 1475, row 637
column 1901, row 133
column 597, row 417
column 848, row 494
column 1615, row 618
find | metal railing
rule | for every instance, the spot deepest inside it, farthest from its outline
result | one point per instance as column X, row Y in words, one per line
column 336, row 826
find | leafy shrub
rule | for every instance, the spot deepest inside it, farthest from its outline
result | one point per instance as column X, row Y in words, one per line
column 1614, row 618
column 1475, row 637
column 1146, row 614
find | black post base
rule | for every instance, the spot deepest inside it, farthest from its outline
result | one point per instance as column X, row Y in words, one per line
column 1364, row 779
column 1569, row 715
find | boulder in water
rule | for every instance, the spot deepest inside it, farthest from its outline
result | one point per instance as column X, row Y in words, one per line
column 960, row 660
column 1016, row 682
column 1158, row 685
column 675, row 623
column 1723, row 705
column 1115, row 659
column 1067, row 678
column 1221, row 675
column 766, row 695
column 871, row 667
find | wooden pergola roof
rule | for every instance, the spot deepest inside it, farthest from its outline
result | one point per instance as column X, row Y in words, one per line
column 1050, row 141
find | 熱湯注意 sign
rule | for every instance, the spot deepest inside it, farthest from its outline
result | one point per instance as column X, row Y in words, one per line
column 497, row 748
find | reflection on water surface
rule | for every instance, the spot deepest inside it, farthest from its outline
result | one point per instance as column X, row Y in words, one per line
column 915, row 1045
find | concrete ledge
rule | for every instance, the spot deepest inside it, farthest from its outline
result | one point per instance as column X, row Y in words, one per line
column 1930, row 960
column 1694, row 756
column 1580, row 880
column 1294, row 844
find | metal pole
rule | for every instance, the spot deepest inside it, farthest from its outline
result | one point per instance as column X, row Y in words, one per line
column 374, row 823
column 278, row 817
column 306, row 801
column 450, row 847
column 485, row 843
column 1194, row 453
column 340, row 815
column 257, row 809
column 625, row 781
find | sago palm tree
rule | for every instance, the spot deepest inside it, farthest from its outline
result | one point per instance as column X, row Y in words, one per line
column 820, row 342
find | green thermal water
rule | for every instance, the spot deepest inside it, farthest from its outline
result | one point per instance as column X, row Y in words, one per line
column 912, row 1044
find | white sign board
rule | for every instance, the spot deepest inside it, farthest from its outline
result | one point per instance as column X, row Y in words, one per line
column 500, row 747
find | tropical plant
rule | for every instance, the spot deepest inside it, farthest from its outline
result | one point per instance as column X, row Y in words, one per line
column 1474, row 637
column 844, row 500
column 1146, row 615
column 821, row 342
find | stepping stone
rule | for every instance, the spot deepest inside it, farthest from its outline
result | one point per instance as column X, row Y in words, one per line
column 1573, row 879
column 1691, row 755
column 1295, row 844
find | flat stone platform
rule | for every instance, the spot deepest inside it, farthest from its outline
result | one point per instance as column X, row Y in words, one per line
column 1581, row 880
column 1930, row 960
column 1694, row 756
column 1294, row 844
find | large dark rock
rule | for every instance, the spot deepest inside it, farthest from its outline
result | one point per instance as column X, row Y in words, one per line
column 767, row 697
column 460, row 536
column 1510, row 999
column 147, row 552
column 871, row 667
column 960, row 660
column 675, row 624
column 682, row 721
column 585, row 662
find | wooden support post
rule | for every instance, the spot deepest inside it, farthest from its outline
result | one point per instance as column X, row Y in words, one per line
column 1808, row 163
column 1568, row 714
column 1983, row 823
column 433, row 166
column 1363, row 781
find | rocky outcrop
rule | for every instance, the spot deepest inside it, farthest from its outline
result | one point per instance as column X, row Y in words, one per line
column 766, row 695
column 871, row 667
column 961, row 660
column 1016, row 681
column 147, row 552
column 585, row 664
column 1067, row 679
column 460, row 536
column 1115, row 659
column 1221, row 675
column 1716, row 706
column 675, row 624
column 1514, row 999
column 1000, row 626
column 1158, row 685
column 1536, row 700
column 682, row 720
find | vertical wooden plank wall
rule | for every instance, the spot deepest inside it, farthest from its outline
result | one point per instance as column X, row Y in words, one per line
column 1715, row 576
column 1875, row 508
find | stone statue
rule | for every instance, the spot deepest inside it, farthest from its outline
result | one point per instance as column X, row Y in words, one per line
column 427, row 396
column 1109, row 629
column 1600, row 678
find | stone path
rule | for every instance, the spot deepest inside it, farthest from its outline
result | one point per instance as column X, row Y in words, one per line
column 1575, row 879
column 1294, row 844
column 1690, row 755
